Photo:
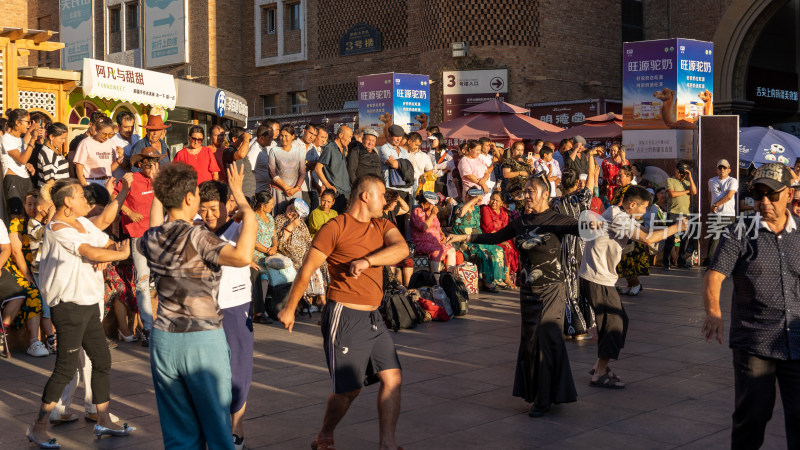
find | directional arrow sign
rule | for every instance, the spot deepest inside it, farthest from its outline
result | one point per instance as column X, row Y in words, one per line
column 497, row 83
column 165, row 21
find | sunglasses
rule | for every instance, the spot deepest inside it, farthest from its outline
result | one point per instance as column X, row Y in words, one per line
column 107, row 135
column 772, row 196
column 796, row 202
column 194, row 139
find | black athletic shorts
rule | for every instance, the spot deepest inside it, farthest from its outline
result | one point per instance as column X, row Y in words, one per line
column 357, row 346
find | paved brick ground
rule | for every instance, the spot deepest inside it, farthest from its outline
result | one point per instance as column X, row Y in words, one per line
column 457, row 386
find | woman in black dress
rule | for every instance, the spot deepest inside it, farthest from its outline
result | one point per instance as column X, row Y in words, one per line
column 543, row 375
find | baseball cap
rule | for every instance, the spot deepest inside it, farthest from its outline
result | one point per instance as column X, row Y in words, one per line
column 371, row 132
column 724, row 162
column 431, row 197
column 775, row 176
column 475, row 192
column 396, row 131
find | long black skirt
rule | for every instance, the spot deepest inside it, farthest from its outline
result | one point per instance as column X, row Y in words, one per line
column 543, row 375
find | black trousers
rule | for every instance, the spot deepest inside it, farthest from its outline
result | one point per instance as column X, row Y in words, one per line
column 340, row 204
column 79, row 327
column 755, row 398
column 612, row 320
column 687, row 245
column 258, row 295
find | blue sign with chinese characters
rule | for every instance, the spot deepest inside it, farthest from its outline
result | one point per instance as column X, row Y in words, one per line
column 360, row 38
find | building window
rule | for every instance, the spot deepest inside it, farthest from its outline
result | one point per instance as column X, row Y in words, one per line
column 280, row 32
column 632, row 20
column 114, row 16
column 294, row 16
column 132, row 25
column 270, row 20
column 270, row 104
column 114, row 30
column 299, row 101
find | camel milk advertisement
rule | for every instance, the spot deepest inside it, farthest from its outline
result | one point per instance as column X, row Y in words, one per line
column 667, row 84
column 393, row 98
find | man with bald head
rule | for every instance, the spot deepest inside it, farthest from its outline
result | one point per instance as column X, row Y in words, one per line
column 332, row 167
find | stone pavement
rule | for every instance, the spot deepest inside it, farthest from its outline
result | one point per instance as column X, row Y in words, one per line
column 456, row 389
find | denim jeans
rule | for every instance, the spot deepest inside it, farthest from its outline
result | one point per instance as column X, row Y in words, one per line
column 192, row 381
column 142, row 271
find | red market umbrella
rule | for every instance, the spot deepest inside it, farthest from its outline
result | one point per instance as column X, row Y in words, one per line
column 604, row 126
column 506, row 128
column 496, row 106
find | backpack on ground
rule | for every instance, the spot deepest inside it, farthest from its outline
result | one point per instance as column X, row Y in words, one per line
column 456, row 292
column 400, row 314
column 420, row 279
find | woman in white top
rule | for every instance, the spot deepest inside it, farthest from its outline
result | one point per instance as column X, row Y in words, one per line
column 74, row 252
column 15, row 153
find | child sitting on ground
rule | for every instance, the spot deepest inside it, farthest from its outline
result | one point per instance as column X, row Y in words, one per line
column 324, row 213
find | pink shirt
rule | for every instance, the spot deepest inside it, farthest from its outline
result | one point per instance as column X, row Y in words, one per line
column 470, row 166
column 96, row 157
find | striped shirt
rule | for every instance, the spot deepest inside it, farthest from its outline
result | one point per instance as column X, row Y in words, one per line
column 51, row 166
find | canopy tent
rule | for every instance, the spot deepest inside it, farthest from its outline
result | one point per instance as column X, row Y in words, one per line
column 499, row 121
column 604, row 126
column 759, row 145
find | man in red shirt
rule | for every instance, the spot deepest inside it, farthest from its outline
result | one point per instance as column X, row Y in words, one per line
column 359, row 349
column 135, row 221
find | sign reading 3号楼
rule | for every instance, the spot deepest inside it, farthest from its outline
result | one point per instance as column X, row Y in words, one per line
column 165, row 32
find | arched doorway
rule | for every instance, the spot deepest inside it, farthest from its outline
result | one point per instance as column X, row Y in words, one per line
column 744, row 39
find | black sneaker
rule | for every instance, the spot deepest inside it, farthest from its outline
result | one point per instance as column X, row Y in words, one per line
column 50, row 343
column 145, row 338
column 538, row 411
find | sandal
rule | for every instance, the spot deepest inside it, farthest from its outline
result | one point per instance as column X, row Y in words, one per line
column 607, row 382
column 610, row 374
column 323, row 443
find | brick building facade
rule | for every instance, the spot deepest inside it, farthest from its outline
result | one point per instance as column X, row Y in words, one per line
column 283, row 56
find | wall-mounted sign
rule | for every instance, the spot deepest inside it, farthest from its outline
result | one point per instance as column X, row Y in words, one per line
column 572, row 113
column 201, row 97
column 75, row 32
column 128, row 84
column 360, row 38
column 772, row 89
column 462, row 89
column 165, row 32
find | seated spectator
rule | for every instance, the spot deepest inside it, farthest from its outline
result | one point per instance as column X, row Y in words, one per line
column 23, row 306
column 200, row 157
column 494, row 217
column 294, row 241
column 396, row 206
column 324, row 213
column 490, row 259
column 266, row 246
column 426, row 233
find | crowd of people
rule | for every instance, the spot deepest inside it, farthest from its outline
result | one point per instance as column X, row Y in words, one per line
column 96, row 224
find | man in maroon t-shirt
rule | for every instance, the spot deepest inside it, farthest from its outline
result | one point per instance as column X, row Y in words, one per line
column 135, row 221
column 359, row 349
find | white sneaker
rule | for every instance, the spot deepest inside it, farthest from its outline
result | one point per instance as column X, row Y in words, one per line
column 38, row 350
column 625, row 290
column 313, row 309
column 636, row 289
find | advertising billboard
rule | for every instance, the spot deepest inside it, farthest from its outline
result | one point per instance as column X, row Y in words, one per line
column 666, row 84
column 572, row 113
column 165, row 32
column 75, row 31
column 465, row 88
column 399, row 97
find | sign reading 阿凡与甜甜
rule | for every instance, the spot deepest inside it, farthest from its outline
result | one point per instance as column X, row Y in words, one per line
column 117, row 82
